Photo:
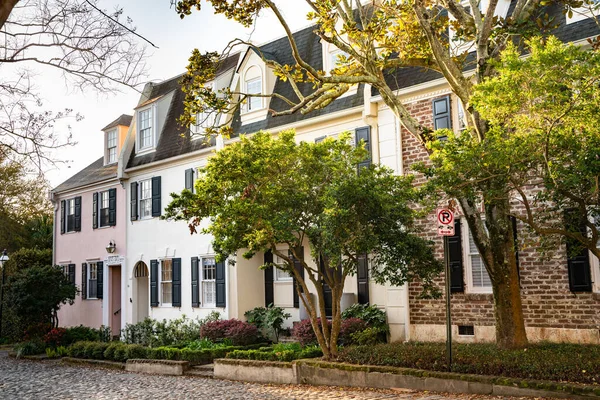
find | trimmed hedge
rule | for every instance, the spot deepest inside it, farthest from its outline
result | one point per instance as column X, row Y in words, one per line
column 544, row 361
column 270, row 354
column 122, row 352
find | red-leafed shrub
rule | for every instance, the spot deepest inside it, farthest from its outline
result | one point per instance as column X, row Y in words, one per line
column 350, row 326
column 55, row 337
column 304, row 333
column 239, row 332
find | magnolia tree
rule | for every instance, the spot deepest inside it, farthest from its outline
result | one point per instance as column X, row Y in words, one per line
column 379, row 38
column 262, row 192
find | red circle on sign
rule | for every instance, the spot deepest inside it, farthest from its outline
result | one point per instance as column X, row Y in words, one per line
column 445, row 217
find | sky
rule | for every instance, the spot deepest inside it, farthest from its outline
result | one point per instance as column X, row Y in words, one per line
column 175, row 38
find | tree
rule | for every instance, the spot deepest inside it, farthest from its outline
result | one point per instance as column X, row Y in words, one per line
column 543, row 111
column 91, row 48
column 36, row 293
column 382, row 37
column 264, row 191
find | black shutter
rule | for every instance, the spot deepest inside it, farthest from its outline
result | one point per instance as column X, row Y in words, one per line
column 362, row 275
column 134, row 201
column 454, row 249
column 63, row 205
column 78, row 214
column 176, row 283
column 269, row 294
column 156, row 206
column 72, row 273
column 99, row 280
column 441, row 113
column 84, row 281
column 220, row 284
column 364, row 134
column 189, row 179
column 298, row 267
column 153, row 283
column 112, row 207
column 578, row 258
column 95, row 210
column 195, row 282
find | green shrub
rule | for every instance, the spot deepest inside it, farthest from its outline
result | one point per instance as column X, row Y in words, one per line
column 80, row 334
column 278, row 352
column 109, row 353
column 269, row 320
column 310, row 352
column 51, row 353
column 370, row 313
column 62, row 351
column 136, row 351
column 294, row 346
column 77, row 350
column 545, row 361
column 175, row 332
column 31, row 348
column 97, row 350
column 368, row 337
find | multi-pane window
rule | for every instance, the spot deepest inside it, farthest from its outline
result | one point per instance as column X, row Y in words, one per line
column 70, row 215
column 335, row 58
column 280, row 275
column 145, row 130
column 146, row 198
column 92, row 286
column 209, row 273
column 111, row 146
column 254, row 86
column 104, row 208
column 479, row 275
column 462, row 117
column 166, row 281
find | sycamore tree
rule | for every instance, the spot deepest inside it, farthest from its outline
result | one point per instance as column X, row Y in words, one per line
column 93, row 50
column 262, row 192
column 382, row 37
column 543, row 113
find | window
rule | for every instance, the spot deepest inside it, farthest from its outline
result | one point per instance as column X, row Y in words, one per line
column 462, row 117
column 111, row 146
column 104, row 209
column 166, row 281
column 478, row 280
column 280, row 275
column 145, row 129
column 254, row 86
column 586, row 11
column 92, row 286
column 209, row 274
column 205, row 119
column 70, row 215
column 146, row 198
column 334, row 58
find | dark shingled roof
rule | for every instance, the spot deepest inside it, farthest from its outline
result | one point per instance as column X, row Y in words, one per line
column 95, row 172
column 123, row 120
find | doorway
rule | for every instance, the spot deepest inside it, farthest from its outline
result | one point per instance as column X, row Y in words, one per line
column 141, row 306
column 115, row 300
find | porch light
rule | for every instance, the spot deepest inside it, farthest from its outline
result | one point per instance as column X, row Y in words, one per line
column 111, row 247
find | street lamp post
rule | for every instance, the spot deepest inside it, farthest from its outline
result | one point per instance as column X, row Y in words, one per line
column 3, row 259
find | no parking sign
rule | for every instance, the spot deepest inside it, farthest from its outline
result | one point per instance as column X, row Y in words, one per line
column 445, row 222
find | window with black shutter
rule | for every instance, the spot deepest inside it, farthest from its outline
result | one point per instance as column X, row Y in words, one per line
column 78, row 214
column 63, row 213
column 100, row 280
column 112, row 207
column 133, row 205
column 95, row 210
column 269, row 290
column 362, row 276
column 156, row 194
column 189, row 179
column 455, row 259
column 364, row 135
column 84, row 283
column 578, row 258
column 154, row 283
column 70, row 222
column 220, row 284
column 71, row 272
column 176, row 290
column 442, row 118
column 195, row 282
column 104, row 205
column 300, row 268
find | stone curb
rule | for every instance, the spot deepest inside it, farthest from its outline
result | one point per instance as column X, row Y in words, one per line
column 96, row 363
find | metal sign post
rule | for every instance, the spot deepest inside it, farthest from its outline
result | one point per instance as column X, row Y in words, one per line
column 445, row 220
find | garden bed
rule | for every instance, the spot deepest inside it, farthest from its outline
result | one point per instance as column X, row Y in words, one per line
column 284, row 352
column 546, row 361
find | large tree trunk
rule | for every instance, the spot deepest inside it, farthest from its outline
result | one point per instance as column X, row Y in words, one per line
column 510, row 325
column 6, row 7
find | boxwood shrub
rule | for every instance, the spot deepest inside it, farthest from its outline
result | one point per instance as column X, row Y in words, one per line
column 544, row 361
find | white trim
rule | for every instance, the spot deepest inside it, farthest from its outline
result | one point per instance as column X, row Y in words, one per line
column 201, row 281
column 142, row 150
column 79, row 190
column 586, row 12
column 160, row 283
column 468, row 269
column 139, row 202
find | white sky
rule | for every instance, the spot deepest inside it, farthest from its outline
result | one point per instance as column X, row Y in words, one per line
column 176, row 38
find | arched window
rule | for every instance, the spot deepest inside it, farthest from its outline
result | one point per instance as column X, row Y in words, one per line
column 253, row 82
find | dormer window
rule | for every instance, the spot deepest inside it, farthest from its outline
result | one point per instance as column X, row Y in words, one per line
column 254, row 84
column 111, row 147
column 334, row 58
column 145, row 129
column 205, row 119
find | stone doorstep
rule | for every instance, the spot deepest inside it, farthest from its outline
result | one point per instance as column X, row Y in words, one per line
column 205, row 371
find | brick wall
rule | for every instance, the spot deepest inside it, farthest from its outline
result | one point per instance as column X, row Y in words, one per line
column 547, row 300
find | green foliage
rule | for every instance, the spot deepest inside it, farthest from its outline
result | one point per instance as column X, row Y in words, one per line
column 268, row 319
column 37, row 292
column 155, row 333
column 368, row 337
column 278, row 352
column 545, row 361
column 25, row 258
column 31, row 348
column 370, row 313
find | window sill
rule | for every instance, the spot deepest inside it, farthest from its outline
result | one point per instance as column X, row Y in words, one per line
column 284, row 282
column 70, row 232
column 478, row 296
column 92, row 298
column 141, row 152
column 105, row 227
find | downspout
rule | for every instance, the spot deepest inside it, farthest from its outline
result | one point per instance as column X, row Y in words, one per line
column 51, row 197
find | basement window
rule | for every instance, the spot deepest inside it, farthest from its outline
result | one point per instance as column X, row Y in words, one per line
column 466, row 330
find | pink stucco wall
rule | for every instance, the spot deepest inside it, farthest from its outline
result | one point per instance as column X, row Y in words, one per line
column 89, row 245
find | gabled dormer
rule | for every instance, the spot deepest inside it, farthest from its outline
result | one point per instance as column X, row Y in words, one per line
column 255, row 77
column 114, row 137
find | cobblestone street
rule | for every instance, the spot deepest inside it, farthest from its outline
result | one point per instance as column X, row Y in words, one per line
column 51, row 380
